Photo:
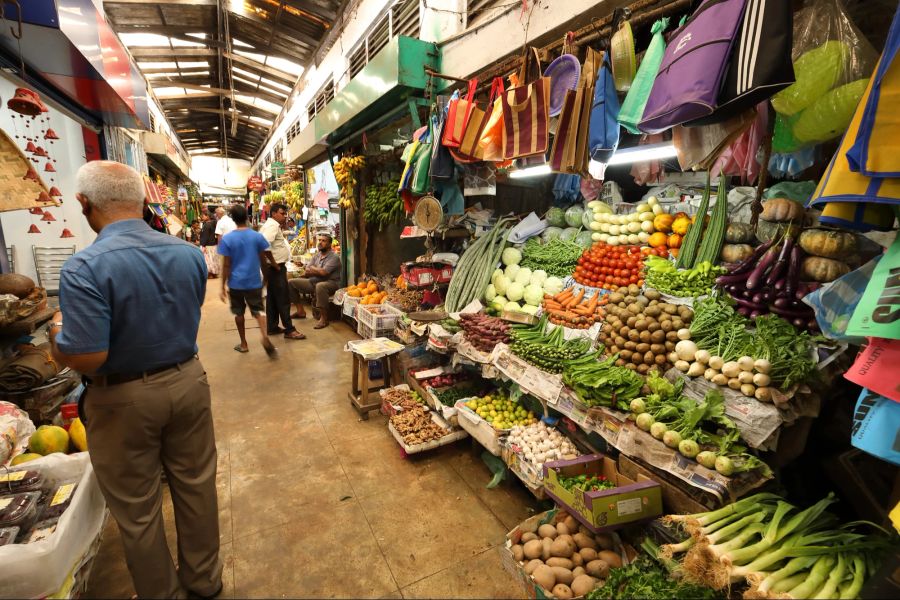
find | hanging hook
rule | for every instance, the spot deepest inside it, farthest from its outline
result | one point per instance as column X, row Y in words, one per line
column 15, row 34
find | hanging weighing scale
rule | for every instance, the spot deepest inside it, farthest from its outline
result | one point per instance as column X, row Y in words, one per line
column 427, row 215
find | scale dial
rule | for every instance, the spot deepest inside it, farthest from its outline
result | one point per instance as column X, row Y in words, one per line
column 428, row 213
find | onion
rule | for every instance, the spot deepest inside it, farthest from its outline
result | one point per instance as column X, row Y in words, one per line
column 702, row 356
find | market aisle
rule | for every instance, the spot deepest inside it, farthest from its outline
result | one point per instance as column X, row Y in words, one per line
column 315, row 502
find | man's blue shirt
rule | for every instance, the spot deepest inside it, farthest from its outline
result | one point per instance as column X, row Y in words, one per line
column 243, row 247
column 135, row 293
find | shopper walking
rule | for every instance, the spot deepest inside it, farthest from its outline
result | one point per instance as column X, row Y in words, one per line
column 224, row 223
column 278, row 301
column 323, row 278
column 130, row 313
column 208, row 244
column 243, row 252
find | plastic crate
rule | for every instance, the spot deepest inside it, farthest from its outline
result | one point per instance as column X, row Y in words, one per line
column 348, row 308
column 378, row 316
column 367, row 333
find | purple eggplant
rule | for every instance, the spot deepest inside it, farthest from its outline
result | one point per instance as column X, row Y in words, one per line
column 746, row 265
column 759, row 298
column 784, row 302
column 749, row 304
column 782, row 263
column 755, row 279
column 793, row 273
column 756, row 313
column 745, row 312
column 799, row 323
column 792, row 313
column 725, row 280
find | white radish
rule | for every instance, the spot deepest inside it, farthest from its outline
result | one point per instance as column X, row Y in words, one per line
column 716, row 362
column 720, row 379
column 702, row 356
column 684, row 334
column 746, row 363
column 745, row 377
column 762, row 365
column 695, row 370
column 731, row 369
column 748, row 389
column 761, row 380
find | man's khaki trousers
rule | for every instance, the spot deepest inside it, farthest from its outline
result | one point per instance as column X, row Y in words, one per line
column 135, row 431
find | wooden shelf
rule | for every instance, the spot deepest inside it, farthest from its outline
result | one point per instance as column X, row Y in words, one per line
column 27, row 325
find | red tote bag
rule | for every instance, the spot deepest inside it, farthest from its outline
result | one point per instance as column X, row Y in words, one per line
column 458, row 113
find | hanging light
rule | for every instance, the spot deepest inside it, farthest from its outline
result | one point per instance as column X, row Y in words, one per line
column 530, row 166
column 50, row 135
column 54, row 191
column 48, row 217
column 33, row 229
column 625, row 156
column 30, row 147
column 49, row 167
column 66, row 234
column 36, row 210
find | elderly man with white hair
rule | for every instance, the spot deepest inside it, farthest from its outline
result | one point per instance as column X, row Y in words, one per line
column 130, row 314
column 224, row 223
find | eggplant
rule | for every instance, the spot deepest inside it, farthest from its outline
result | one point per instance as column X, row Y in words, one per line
column 756, row 277
column 724, row 280
column 784, row 302
column 746, row 265
column 782, row 263
column 793, row 273
column 749, row 304
column 799, row 323
column 759, row 298
column 746, row 312
column 756, row 313
column 792, row 313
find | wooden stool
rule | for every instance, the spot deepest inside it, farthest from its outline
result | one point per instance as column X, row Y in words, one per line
column 359, row 394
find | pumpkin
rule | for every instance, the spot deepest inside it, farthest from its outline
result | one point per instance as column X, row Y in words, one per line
column 739, row 233
column 657, row 240
column 823, row 270
column 829, row 244
column 681, row 224
column 782, row 210
column 766, row 230
column 734, row 253
column 674, row 241
column 663, row 222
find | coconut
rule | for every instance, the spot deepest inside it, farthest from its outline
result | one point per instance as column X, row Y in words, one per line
column 18, row 285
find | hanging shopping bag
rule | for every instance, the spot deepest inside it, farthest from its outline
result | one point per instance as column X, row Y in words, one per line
column 603, row 137
column 478, row 121
column 562, row 153
column 690, row 75
column 409, row 156
column 584, row 99
column 526, row 112
column 458, row 114
column 624, row 62
column 442, row 166
column 491, row 142
column 421, row 182
column 876, row 150
column 760, row 64
column 633, row 105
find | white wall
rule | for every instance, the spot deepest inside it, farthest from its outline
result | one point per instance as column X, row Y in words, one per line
column 220, row 172
column 69, row 153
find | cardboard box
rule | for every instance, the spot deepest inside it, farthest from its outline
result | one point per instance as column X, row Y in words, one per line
column 629, row 502
column 677, row 497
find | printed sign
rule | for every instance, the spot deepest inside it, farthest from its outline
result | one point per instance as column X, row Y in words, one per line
column 878, row 311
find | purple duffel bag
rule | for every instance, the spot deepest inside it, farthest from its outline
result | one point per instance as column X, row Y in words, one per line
column 690, row 77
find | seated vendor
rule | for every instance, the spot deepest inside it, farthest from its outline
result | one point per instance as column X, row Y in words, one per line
column 321, row 280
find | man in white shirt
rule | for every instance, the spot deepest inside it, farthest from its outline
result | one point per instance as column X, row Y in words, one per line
column 278, row 301
column 224, row 224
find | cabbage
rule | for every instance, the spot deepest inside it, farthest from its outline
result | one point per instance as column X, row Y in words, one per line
column 511, row 256
column 539, row 276
column 586, row 218
column 556, row 217
column 515, row 291
column 512, row 271
column 553, row 286
column 524, row 276
column 585, row 239
column 497, row 273
column 530, row 309
column 499, row 302
column 551, row 233
column 568, row 234
column 490, row 292
column 533, row 294
column 513, row 307
column 501, row 284
column 573, row 215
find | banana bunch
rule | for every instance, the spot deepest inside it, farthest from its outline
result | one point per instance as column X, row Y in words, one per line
column 293, row 196
column 345, row 174
column 383, row 204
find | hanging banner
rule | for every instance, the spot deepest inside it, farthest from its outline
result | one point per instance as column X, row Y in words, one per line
column 255, row 183
column 876, row 368
column 878, row 311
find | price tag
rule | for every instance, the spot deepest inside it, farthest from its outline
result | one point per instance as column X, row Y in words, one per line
column 14, row 476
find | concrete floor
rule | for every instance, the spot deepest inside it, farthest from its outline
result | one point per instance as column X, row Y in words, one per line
column 314, row 502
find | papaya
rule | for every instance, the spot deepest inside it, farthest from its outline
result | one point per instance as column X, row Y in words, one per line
column 48, row 439
column 78, row 435
column 23, row 458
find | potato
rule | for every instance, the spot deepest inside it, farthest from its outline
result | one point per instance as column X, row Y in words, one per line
column 544, row 577
column 533, row 549
column 561, row 529
column 562, row 591
column 518, row 553
column 577, row 559
column 563, row 547
column 604, row 540
column 633, row 321
column 547, row 531
column 571, row 524
column 556, row 561
column 532, row 565
column 584, row 530
column 643, row 347
column 584, row 541
column 583, row 584
column 545, row 550
column 588, row 554
column 563, row 575
column 610, row 558
column 527, row 537
column 646, row 336
column 652, row 294
column 578, row 571
column 598, row 569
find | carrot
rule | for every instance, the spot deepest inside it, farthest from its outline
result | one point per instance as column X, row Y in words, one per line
column 571, row 317
column 564, row 295
column 592, row 303
column 576, row 299
column 550, row 304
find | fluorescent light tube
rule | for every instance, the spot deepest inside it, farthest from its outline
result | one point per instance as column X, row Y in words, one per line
column 530, row 171
column 642, row 153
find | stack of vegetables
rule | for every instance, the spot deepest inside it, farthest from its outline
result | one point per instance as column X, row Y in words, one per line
column 537, row 443
column 699, row 431
column 670, row 232
column 704, row 244
column 634, row 228
column 663, row 276
column 475, row 266
column 647, row 579
column 519, row 289
column 571, row 225
column 780, row 550
column 610, row 267
column 601, row 382
column 484, row 332
column 775, row 355
column 558, row 258
column 586, row 483
column 368, row 290
column 643, row 330
column 548, row 351
column 497, row 409
column 574, row 310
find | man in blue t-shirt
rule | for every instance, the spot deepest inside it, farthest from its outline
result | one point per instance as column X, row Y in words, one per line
column 243, row 251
